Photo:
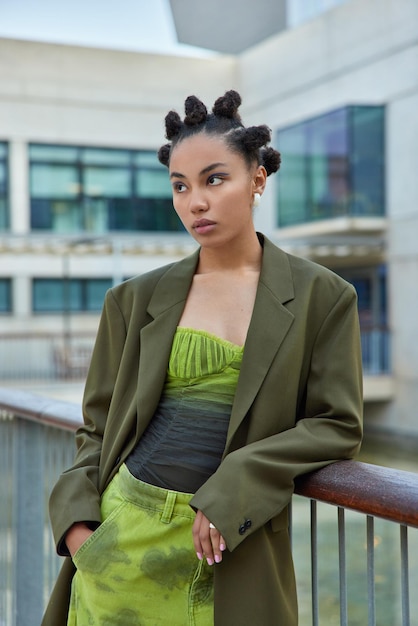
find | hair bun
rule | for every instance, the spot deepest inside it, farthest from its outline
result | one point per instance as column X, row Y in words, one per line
column 164, row 154
column 227, row 105
column 173, row 124
column 271, row 159
column 196, row 111
column 255, row 137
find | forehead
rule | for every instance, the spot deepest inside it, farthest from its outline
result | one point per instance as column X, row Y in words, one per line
column 199, row 151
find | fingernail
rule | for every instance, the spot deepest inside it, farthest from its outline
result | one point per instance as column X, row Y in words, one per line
column 218, row 559
column 210, row 561
column 222, row 547
column 199, row 556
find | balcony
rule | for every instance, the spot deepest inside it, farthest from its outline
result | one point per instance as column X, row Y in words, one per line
column 354, row 526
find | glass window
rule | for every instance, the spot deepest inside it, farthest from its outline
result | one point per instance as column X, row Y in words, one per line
column 76, row 189
column 54, row 181
column 54, row 154
column 370, row 284
column 4, row 187
column 55, row 295
column 107, row 181
column 5, row 295
column 332, row 165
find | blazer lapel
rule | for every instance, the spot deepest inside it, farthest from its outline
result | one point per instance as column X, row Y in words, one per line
column 165, row 309
column 270, row 322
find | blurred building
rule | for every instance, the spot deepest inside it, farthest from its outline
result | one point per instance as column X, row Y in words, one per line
column 84, row 202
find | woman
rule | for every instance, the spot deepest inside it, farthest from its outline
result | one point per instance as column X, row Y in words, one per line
column 214, row 382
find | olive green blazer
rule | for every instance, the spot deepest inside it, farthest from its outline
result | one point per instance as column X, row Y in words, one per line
column 298, row 407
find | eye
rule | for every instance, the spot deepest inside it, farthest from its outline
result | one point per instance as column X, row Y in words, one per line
column 215, row 180
column 179, row 187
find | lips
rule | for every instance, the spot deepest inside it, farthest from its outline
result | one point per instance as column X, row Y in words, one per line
column 202, row 223
column 203, row 226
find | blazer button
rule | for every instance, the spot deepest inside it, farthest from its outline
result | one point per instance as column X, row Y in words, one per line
column 244, row 527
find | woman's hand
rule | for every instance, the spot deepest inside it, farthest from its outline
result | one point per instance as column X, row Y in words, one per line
column 76, row 536
column 208, row 541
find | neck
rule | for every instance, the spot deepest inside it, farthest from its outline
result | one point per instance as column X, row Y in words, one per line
column 238, row 256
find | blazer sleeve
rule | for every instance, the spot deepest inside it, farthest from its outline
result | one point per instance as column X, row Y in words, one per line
column 75, row 497
column 255, row 483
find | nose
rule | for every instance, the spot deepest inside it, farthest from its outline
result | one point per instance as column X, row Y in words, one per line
column 198, row 202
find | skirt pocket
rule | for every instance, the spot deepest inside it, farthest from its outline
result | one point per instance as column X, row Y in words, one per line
column 93, row 554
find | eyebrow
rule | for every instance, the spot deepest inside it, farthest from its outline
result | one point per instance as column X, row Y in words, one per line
column 205, row 170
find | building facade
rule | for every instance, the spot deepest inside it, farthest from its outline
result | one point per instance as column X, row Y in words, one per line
column 84, row 202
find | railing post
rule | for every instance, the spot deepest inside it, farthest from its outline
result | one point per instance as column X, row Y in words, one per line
column 28, row 522
column 404, row 575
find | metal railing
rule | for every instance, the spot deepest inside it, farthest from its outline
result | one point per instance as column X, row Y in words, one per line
column 45, row 356
column 375, row 347
column 37, row 443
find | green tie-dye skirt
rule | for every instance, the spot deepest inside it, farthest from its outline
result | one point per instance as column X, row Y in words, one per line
column 139, row 568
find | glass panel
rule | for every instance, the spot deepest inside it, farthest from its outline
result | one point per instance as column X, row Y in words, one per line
column 367, row 161
column 328, row 165
column 96, row 215
column 293, row 176
column 97, row 156
column 3, row 150
column 3, row 178
column 48, row 294
column 121, row 215
column 370, row 284
column 66, row 154
column 106, row 181
column 57, row 215
column 54, row 181
column 67, row 217
column 148, row 158
column 156, row 214
column 5, row 295
column 4, row 216
column 153, row 184
column 95, row 293
column 74, row 296
column 363, row 287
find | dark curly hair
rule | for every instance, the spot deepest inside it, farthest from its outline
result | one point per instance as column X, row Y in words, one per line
column 224, row 120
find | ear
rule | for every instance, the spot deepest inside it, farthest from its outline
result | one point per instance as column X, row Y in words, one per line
column 259, row 180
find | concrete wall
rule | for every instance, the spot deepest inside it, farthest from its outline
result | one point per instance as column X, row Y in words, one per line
column 101, row 97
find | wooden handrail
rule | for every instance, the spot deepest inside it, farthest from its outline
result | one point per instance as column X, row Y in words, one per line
column 369, row 489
